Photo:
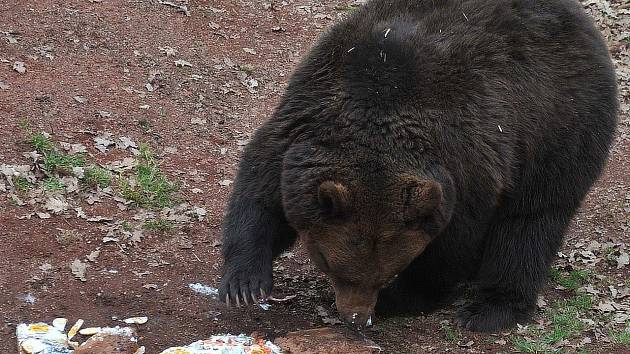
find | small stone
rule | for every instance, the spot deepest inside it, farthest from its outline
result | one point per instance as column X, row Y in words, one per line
column 326, row 340
column 110, row 341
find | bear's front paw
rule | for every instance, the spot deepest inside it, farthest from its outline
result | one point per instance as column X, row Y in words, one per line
column 487, row 317
column 245, row 285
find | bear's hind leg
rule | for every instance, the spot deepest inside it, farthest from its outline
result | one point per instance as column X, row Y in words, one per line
column 516, row 259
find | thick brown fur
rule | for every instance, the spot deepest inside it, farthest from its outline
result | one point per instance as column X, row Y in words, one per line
column 440, row 141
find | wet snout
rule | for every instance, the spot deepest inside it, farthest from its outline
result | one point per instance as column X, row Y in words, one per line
column 355, row 304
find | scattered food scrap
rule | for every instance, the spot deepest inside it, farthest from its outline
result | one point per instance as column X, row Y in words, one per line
column 227, row 344
column 205, row 290
column 42, row 338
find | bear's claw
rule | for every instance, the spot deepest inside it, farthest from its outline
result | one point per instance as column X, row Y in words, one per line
column 238, row 288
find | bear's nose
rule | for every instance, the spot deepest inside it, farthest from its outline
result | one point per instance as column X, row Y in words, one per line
column 355, row 304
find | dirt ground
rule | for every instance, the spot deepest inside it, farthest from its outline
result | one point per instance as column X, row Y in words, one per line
column 193, row 83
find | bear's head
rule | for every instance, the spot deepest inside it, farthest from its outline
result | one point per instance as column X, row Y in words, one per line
column 364, row 237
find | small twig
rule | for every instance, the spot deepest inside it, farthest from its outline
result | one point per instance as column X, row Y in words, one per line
column 181, row 8
column 193, row 253
column 284, row 299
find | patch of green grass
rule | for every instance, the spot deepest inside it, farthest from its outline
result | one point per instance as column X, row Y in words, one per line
column 97, row 176
column 158, row 225
column 581, row 302
column 530, row 346
column 53, row 184
column 572, row 281
column 565, row 318
column 451, row 334
column 60, row 162
column 55, row 161
column 41, row 143
column 620, row 337
column 127, row 226
column 21, row 183
column 150, row 187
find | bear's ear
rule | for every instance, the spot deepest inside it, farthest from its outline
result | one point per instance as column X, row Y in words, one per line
column 333, row 199
column 420, row 198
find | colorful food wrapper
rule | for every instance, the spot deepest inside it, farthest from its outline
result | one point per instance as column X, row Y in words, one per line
column 227, row 344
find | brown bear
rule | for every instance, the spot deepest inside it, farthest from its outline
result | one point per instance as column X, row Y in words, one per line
column 425, row 144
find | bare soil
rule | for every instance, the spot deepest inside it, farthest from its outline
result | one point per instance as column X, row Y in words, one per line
column 197, row 118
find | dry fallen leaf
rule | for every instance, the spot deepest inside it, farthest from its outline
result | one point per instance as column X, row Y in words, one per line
column 225, row 182
column 74, row 148
column 125, row 143
column 93, row 255
column 623, row 260
column 606, row 306
column 78, row 269
column 56, row 205
column 20, row 67
column 168, row 51
column 180, row 7
column 182, row 63
column 103, row 142
column 249, row 51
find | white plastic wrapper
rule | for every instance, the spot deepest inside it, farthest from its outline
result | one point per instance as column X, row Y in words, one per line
column 41, row 338
column 227, row 344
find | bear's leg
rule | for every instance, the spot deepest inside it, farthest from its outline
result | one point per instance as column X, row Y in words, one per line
column 255, row 229
column 253, row 236
column 515, row 264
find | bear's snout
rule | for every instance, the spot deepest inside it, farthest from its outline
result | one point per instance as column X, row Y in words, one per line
column 355, row 305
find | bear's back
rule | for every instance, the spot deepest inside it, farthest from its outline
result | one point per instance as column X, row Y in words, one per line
column 498, row 84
